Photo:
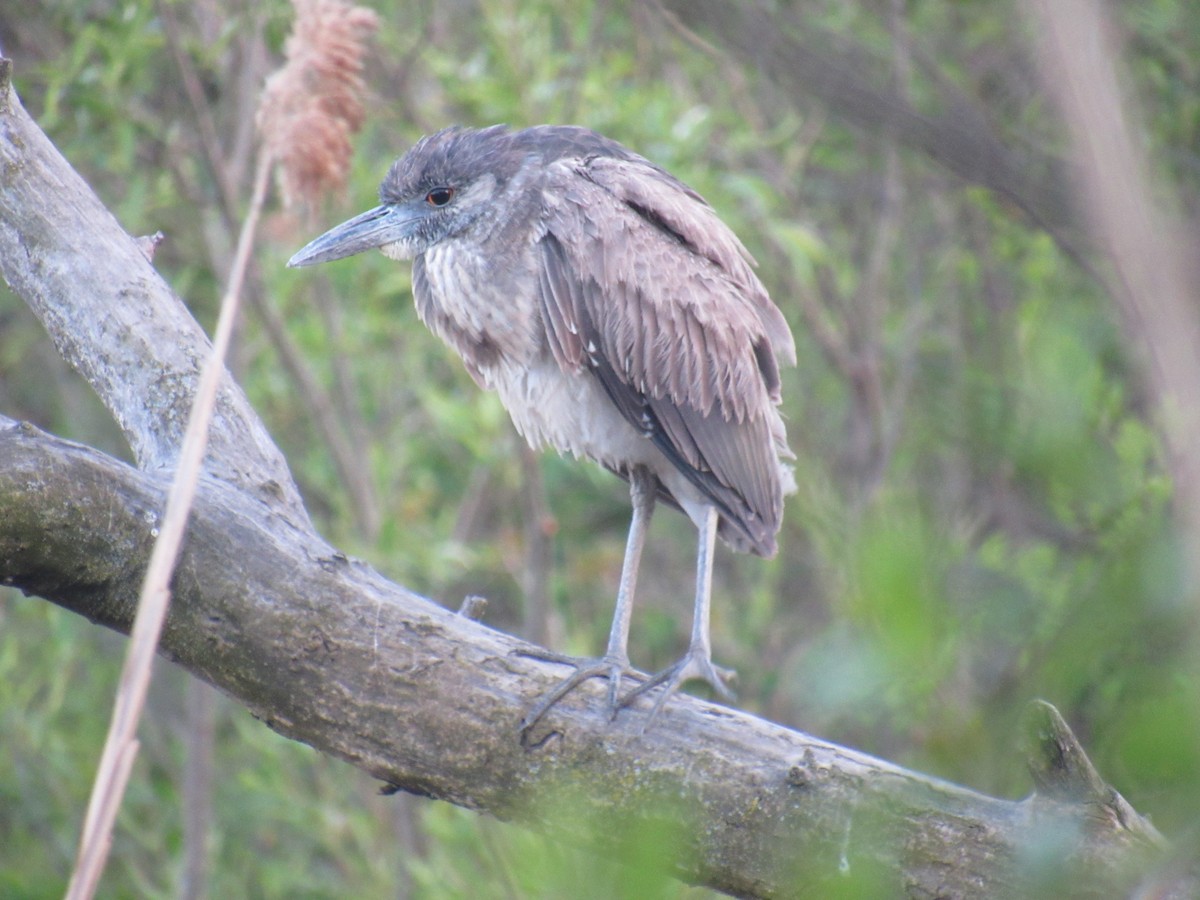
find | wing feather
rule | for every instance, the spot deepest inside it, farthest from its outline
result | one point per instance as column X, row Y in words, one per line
column 685, row 341
column 671, row 205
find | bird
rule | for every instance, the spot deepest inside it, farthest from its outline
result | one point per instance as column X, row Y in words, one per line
column 619, row 320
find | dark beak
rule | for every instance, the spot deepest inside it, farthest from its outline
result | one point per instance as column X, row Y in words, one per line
column 374, row 228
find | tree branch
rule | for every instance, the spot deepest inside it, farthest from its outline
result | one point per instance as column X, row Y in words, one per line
column 325, row 651
column 799, row 58
column 114, row 319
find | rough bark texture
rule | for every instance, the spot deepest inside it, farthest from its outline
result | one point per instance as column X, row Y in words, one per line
column 114, row 319
column 326, row 651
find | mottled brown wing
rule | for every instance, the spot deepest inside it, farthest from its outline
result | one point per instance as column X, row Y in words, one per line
column 642, row 285
column 676, row 208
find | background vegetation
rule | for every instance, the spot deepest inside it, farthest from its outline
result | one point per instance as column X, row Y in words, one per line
column 984, row 508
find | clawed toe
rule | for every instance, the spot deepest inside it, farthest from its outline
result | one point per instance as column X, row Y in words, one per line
column 696, row 665
column 612, row 668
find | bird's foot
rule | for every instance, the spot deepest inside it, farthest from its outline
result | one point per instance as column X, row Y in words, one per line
column 696, row 665
column 614, row 668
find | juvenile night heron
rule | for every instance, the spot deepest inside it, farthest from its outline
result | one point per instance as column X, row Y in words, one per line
column 618, row 319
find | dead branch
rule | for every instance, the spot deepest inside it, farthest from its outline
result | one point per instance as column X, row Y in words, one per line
column 325, row 651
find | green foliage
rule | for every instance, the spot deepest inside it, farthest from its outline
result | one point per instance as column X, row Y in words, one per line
column 994, row 526
column 471, row 859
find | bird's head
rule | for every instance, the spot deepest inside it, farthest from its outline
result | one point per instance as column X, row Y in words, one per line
column 441, row 188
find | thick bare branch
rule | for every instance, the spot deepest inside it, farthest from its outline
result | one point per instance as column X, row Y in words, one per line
column 114, row 319
column 325, row 651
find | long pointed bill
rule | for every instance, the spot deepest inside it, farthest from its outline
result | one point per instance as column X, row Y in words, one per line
column 376, row 227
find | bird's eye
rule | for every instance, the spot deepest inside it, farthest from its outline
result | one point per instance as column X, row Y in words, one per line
column 440, row 196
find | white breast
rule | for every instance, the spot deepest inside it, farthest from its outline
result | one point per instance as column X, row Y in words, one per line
column 569, row 412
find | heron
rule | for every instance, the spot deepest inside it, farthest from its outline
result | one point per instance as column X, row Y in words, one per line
column 619, row 320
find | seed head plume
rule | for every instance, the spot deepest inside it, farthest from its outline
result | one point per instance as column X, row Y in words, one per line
column 312, row 105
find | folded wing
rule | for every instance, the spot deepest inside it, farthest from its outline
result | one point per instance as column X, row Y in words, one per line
column 642, row 285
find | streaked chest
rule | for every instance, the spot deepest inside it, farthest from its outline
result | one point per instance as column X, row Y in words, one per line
column 491, row 316
column 483, row 308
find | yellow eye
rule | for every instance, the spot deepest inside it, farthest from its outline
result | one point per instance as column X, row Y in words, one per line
column 440, row 196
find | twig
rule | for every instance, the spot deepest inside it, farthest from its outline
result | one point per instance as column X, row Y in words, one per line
column 197, row 791
column 1148, row 248
column 206, row 128
column 331, row 422
column 540, row 620
column 120, row 748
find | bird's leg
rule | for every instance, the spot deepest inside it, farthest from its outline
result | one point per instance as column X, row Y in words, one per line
column 615, row 661
column 697, row 662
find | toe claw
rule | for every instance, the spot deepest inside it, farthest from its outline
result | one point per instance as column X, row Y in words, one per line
column 606, row 667
column 696, row 665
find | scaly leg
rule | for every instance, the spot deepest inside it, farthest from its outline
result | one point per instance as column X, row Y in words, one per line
column 697, row 662
column 615, row 661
